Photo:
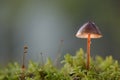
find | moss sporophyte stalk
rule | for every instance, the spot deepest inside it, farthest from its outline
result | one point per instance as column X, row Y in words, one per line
column 24, row 56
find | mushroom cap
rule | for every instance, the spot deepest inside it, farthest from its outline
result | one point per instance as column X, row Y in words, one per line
column 89, row 28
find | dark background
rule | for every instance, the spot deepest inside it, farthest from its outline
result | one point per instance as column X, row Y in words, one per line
column 42, row 24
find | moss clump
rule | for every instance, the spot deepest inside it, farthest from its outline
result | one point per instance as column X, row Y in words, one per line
column 74, row 68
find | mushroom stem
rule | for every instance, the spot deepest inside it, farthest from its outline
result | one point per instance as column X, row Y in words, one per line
column 88, row 52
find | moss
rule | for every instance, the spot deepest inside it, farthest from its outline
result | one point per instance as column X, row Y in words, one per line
column 74, row 68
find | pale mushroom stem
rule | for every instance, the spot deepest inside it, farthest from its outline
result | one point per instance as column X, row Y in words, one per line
column 88, row 52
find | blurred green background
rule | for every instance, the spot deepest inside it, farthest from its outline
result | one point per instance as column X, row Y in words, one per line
column 42, row 24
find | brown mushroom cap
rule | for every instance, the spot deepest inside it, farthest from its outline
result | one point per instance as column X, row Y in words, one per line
column 89, row 28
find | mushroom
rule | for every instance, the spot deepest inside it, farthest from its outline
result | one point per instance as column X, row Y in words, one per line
column 89, row 30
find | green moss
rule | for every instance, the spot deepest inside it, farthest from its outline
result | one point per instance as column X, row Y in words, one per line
column 74, row 68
